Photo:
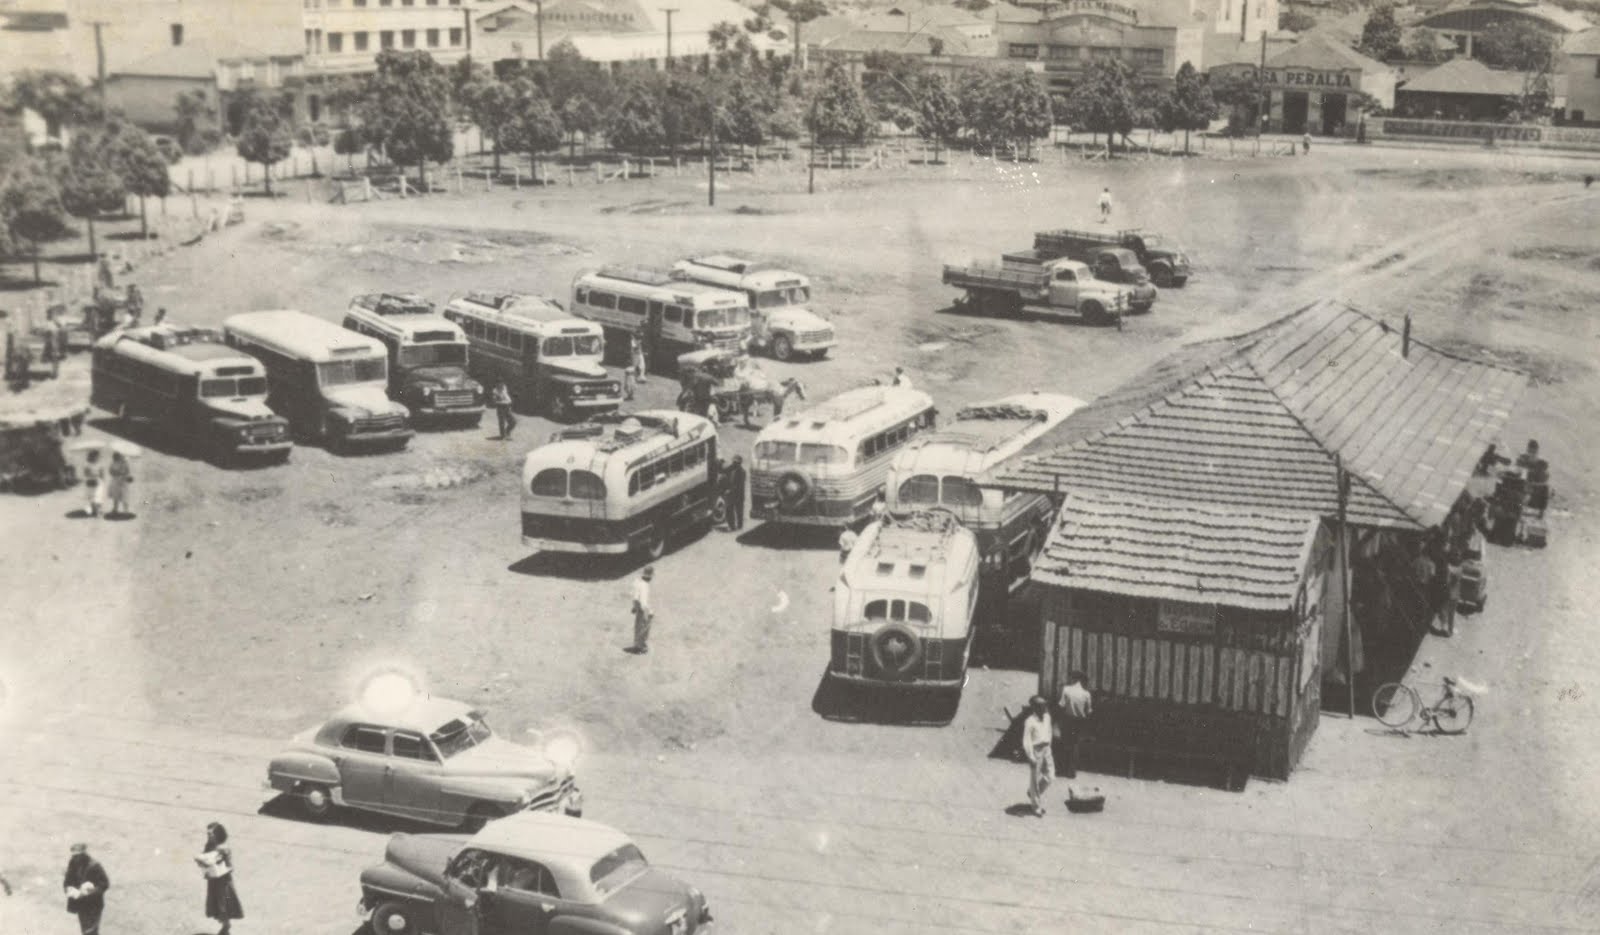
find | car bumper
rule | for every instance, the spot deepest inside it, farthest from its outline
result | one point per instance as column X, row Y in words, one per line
column 376, row 439
column 579, row 548
column 250, row 448
column 901, row 684
column 594, row 402
column 447, row 413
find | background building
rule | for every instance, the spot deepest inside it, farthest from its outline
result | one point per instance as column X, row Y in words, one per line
column 146, row 91
column 1582, row 51
column 614, row 33
column 1467, row 89
column 1309, row 85
column 1460, row 23
column 345, row 36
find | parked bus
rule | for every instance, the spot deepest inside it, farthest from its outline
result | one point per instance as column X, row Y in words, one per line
column 427, row 356
column 781, row 321
column 550, row 360
column 330, row 383
column 904, row 603
column 671, row 316
column 825, row 466
column 621, row 482
column 192, row 384
column 940, row 470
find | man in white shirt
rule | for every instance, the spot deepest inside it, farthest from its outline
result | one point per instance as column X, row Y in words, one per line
column 642, row 613
column 1037, row 736
column 1105, row 203
column 1076, row 706
column 900, row 378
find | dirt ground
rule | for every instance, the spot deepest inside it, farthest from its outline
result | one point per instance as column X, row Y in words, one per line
column 151, row 667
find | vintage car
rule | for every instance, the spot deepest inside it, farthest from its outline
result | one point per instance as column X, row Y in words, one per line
column 432, row 760
column 523, row 874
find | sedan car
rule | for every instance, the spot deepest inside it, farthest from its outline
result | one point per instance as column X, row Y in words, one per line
column 431, row 760
column 529, row 873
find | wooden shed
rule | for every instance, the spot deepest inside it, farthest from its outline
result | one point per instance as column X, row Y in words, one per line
column 1201, row 627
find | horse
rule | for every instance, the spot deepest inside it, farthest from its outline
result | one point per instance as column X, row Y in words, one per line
column 774, row 396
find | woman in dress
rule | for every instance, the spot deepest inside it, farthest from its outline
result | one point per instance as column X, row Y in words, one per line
column 121, row 474
column 93, row 472
column 222, row 902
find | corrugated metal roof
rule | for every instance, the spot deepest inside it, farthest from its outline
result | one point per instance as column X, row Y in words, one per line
column 1466, row 76
column 1321, row 51
column 1256, row 420
column 1170, row 550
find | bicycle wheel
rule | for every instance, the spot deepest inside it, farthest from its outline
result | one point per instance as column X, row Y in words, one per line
column 1394, row 705
column 1453, row 714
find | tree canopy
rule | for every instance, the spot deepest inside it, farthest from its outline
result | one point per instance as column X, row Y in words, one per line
column 1188, row 106
column 837, row 115
column 30, row 208
column 1380, row 34
column 939, row 118
column 266, row 136
column 405, row 108
column 89, row 181
column 1103, row 101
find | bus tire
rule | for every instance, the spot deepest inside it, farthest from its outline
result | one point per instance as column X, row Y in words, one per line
column 719, row 511
column 655, row 546
column 782, row 347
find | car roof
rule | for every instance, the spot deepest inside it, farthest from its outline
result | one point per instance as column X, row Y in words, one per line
column 549, row 838
column 424, row 715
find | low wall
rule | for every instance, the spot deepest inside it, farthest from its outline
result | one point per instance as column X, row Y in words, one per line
column 1509, row 134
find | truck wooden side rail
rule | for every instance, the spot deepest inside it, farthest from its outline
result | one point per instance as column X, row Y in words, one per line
column 1060, row 285
column 1000, row 288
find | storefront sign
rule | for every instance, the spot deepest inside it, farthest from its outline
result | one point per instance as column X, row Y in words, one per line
column 1296, row 78
column 1103, row 8
column 1186, row 619
column 1556, row 137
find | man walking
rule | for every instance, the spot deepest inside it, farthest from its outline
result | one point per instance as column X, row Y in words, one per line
column 85, row 885
column 1105, row 204
column 1305, row 144
column 1036, row 741
column 733, row 491
column 1076, row 706
column 900, row 379
column 500, row 398
column 642, row 613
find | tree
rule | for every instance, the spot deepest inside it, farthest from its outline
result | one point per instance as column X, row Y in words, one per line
column 801, row 12
column 580, row 115
column 405, row 109
column 1296, row 20
column 1103, row 101
column 837, row 114
column 143, row 169
column 491, row 105
column 30, row 207
column 683, row 101
column 534, row 127
column 266, row 135
column 198, row 130
column 90, row 184
column 635, row 122
column 743, row 118
column 1380, row 35
column 1240, row 94
column 1019, row 108
column 938, row 112
column 1526, row 48
column 1189, row 105
column 59, row 98
column 565, row 74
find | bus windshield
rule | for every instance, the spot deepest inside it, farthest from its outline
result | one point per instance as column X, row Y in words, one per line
column 722, row 318
column 433, row 355
column 804, row 453
column 359, row 370
column 776, row 298
column 233, row 387
column 582, row 345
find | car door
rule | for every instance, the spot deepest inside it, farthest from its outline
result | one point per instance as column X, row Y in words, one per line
column 1064, row 288
column 460, row 910
column 363, row 762
column 412, row 780
column 524, row 901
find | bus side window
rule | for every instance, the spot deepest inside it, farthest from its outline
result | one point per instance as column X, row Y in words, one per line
column 602, row 300
column 674, row 315
column 631, row 305
column 581, row 296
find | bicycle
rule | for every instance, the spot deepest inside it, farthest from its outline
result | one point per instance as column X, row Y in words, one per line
column 1396, row 705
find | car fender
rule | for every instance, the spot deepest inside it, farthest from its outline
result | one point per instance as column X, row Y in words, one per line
column 463, row 792
column 582, row 925
column 290, row 770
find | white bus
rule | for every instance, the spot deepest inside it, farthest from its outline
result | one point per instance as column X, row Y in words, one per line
column 825, row 466
column 330, row 383
column 621, row 482
column 192, row 384
column 550, row 360
column 781, row 320
column 427, row 356
column 904, row 603
column 671, row 316
column 940, row 470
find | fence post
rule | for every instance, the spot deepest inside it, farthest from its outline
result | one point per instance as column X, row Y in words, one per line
column 516, row 177
column 571, row 177
column 598, row 175
column 488, row 181
column 461, row 186
column 233, row 174
column 366, row 187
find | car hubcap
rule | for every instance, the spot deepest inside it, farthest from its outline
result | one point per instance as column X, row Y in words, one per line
column 397, row 922
column 317, row 799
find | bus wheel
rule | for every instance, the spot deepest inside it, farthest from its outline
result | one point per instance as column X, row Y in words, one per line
column 782, row 347
column 719, row 511
column 655, row 546
column 560, row 410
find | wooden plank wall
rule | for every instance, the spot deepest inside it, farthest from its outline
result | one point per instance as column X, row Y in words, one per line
column 1165, row 669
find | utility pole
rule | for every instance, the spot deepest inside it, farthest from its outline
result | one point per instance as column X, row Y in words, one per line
column 1342, row 484
column 100, row 58
column 538, row 21
column 466, row 29
column 1261, row 94
column 669, row 11
column 711, row 160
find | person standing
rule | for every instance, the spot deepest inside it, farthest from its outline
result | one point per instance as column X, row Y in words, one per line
column 847, row 542
column 85, row 885
column 1076, row 706
column 121, row 476
column 1036, row 742
column 1105, row 204
column 900, row 379
column 93, row 474
column 1305, row 144
column 500, row 398
column 643, row 614
column 734, row 483
column 637, row 357
column 216, row 861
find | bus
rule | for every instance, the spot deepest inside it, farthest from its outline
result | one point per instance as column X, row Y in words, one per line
column 904, row 603
column 671, row 316
column 620, row 483
column 940, row 470
column 825, row 466
column 781, row 321
column 191, row 383
column 427, row 356
column 550, row 360
column 330, row 383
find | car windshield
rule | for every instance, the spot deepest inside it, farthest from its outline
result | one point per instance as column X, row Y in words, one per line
column 775, row 298
column 431, row 355
column 228, row 387
column 614, row 870
column 360, row 370
column 722, row 318
column 459, row 735
column 807, row 453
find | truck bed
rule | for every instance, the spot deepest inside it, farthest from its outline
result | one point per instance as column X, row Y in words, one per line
column 1031, row 284
column 1072, row 243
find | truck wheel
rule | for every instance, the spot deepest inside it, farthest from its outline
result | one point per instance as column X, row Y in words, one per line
column 1094, row 312
column 560, row 410
column 316, row 802
column 655, row 546
column 394, row 919
column 1161, row 275
column 782, row 347
column 478, row 816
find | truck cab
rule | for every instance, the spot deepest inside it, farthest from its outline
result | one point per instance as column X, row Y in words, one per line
column 1119, row 265
column 1073, row 284
column 782, row 322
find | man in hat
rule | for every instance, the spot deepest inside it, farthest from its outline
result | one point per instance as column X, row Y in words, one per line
column 1037, row 736
column 733, row 490
column 642, row 613
column 85, row 885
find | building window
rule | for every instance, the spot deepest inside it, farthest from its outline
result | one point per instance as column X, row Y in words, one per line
column 335, row 42
column 433, row 2
column 359, row 2
column 177, row 34
column 408, row 2
column 386, row 39
column 408, row 38
column 1150, row 59
column 455, row 36
column 455, row 2
column 433, row 38
column 1021, row 50
column 361, row 41
column 385, row 2
column 1064, row 51
column 1104, row 53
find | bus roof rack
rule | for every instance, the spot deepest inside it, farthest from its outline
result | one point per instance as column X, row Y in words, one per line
column 639, row 274
column 1004, row 411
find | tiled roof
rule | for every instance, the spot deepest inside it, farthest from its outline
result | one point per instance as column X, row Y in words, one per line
column 191, row 60
column 1466, row 76
column 1170, row 550
column 1256, row 421
column 1322, row 52
column 917, row 42
column 1583, row 43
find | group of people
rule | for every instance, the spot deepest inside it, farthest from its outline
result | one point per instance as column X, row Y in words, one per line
column 1048, row 737
column 103, row 482
column 86, row 882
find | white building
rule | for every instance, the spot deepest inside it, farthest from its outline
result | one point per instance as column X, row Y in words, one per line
column 614, row 33
column 345, row 36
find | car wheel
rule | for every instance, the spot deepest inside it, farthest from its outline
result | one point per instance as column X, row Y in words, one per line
column 782, row 347
column 478, row 816
column 1161, row 276
column 395, row 919
column 560, row 410
column 316, row 801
